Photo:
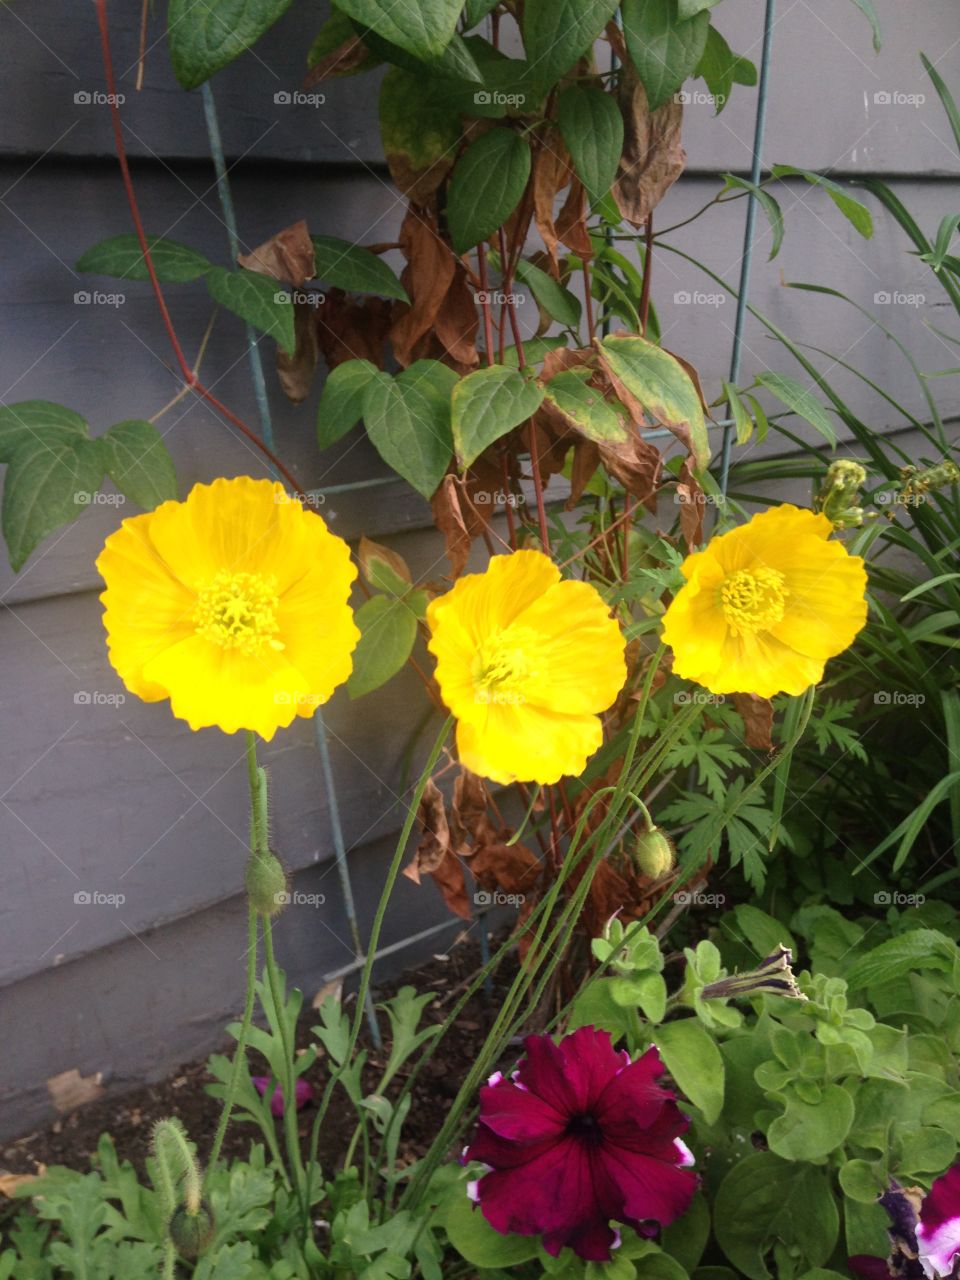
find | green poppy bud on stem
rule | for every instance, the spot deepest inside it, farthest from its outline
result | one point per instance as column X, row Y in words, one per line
column 266, row 883
column 192, row 1232
column 653, row 853
column 838, row 494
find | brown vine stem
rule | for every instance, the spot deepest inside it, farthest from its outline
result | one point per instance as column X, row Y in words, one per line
column 189, row 376
column 647, row 274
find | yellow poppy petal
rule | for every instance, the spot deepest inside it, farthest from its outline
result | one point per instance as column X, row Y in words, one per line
column 572, row 619
column 827, row 605
column 208, row 685
column 762, row 665
column 528, row 744
column 491, row 600
column 147, row 609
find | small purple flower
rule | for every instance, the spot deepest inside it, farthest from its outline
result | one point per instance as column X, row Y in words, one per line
column 577, row 1138
column 924, row 1230
column 303, row 1091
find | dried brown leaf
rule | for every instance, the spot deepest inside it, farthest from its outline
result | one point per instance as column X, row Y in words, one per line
column 288, row 256
column 653, row 157
column 296, row 372
column 757, row 716
column 427, row 278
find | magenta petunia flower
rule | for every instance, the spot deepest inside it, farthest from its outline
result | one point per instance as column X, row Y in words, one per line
column 578, row 1138
column 303, row 1092
column 924, row 1231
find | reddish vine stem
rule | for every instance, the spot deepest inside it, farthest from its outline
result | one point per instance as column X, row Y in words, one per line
column 189, row 376
column 588, row 299
column 647, row 273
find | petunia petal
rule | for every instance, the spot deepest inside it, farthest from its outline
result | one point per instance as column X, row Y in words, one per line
column 938, row 1234
column 634, row 1188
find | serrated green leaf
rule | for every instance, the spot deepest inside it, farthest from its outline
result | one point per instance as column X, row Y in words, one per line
column 662, row 385
column 258, row 300
column 486, row 405
column 350, row 266
column 205, row 35
column 585, row 406
column 40, row 422
column 139, row 463
column 664, row 50
column 47, row 486
column 388, row 629
column 856, row 213
column 122, row 258
column 907, row 953
column 796, row 397
column 341, row 400
column 558, row 302
column 422, row 27
column 592, row 128
column 557, row 32
column 486, row 186
column 408, row 421
column 767, row 203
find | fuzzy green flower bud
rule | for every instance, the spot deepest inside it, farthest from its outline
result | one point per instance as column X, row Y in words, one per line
column 192, row 1232
column 266, row 883
column 653, row 853
column 839, row 492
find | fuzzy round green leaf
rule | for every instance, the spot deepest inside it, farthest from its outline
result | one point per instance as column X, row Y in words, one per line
column 693, row 1059
column 476, row 1241
column 811, row 1130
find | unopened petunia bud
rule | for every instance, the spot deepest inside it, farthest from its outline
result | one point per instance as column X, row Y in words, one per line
column 266, row 883
column 192, row 1232
column 653, row 853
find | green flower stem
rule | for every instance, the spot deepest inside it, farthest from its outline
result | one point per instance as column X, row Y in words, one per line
column 256, row 837
column 169, row 1261
column 291, row 1133
column 392, row 873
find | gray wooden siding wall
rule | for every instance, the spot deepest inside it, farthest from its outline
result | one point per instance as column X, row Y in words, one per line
column 103, row 795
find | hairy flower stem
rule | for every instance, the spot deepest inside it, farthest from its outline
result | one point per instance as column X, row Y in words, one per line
column 374, row 939
column 289, row 1083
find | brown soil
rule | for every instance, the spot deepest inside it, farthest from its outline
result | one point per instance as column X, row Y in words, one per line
column 129, row 1118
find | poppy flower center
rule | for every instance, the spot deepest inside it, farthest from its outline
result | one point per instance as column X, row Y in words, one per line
column 585, row 1128
column 753, row 599
column 239, row 611
column 502, row 665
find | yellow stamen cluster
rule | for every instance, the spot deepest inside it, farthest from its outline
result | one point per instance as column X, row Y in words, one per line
column 753, row 599
column 239, row 611
column 503, row 664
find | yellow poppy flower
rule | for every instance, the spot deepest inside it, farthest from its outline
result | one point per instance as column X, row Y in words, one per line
column 766, row 605
column 526, row 662
column 232, row 604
